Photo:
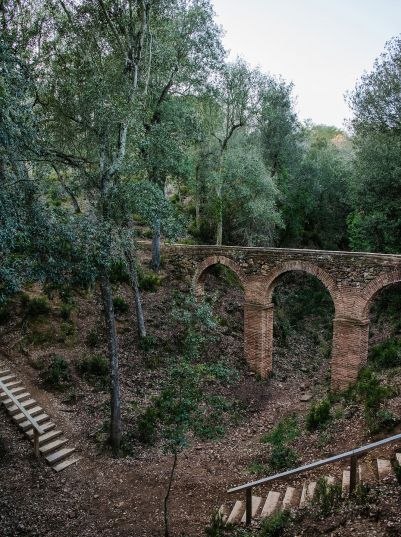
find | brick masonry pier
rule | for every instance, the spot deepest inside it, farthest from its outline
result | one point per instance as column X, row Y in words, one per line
column 352, row 279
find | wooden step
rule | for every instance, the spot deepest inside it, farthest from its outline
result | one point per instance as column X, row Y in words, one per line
column 23, row 396
column 236, row 513
column 65, row 464
column 35, row 411
column 384, row 469
column 59, row 455
column 48, row 426
column 14, row 391
column 12, row 384
column 47, row 437
column 398, row 458
column 289, row 499
column 7, row 378
column 52, row 446
column 14, row 409
column 4, row 372
column 345, row 482
column 271, row 504
column 308, row 493
column 256, row 501
column 39, row 419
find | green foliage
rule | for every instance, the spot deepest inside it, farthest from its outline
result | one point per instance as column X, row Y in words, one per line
column 283, row 457
column 65, row 311
column 35, row 307
column 147, row 426
column 327, row 496
column 319, row 415
column 149, row 281
column 92, row 338
column 386, row 355
column 274, row 525
column 56, row 375
column 120, row 305
column 95, row 369
column 146, row 343
column 285, row 431
column 217, row 527
column 118, row 272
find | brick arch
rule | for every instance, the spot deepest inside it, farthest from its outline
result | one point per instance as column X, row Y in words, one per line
column 370, row 291
column 309, row 268
column 201, row 271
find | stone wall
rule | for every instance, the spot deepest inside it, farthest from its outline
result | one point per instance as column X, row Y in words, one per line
column 353, row 279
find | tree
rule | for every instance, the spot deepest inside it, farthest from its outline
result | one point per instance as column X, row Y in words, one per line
column 375, row 224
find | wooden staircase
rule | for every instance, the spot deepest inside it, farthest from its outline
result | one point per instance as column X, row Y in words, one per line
column 52, row 444
column 300, row 497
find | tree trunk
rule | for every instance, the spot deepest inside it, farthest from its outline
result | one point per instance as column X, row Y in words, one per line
column 137, row 294
column 115, row 417
column 219, row 228
column 166, row 515
column 155, row 264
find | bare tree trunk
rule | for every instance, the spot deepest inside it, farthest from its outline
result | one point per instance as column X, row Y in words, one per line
column 166, row 515
column 137, row 294
column 219, row 229
column 115, row 416
column 155, row 263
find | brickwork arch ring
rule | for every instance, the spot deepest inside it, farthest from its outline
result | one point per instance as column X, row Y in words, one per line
column 370, row 291
column 303, row 266
column 201, row 271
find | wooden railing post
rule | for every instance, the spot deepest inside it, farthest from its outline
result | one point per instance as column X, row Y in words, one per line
column 248, row 506
column 353, row 474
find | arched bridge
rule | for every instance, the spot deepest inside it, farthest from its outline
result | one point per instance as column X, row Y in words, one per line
column 352, row 279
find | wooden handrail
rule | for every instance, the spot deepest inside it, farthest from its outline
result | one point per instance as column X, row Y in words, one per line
column 37, row 429
column 353, row 455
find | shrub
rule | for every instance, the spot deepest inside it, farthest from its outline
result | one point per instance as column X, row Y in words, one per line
column 118, row 272
column 65, row 311
column 274, row 525
column 285, row 431
column 147, row 426
column 119, row 305
column 386, row 355
column 327, row 496
column 146, row 343
column 319, row 415
column 92, row 338
column 5, row 314
column 57, row 374
column 217, row 527
column 283, row 457
column 95, row 369
column 149, row 281
column 35, row 306
column 66, row 330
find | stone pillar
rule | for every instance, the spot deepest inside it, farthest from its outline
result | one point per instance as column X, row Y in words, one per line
column 349, row 352
column 258, row 337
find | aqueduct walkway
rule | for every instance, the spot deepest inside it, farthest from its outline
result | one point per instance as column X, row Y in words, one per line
column 352, row 279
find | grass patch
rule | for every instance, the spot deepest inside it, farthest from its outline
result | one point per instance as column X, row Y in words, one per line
column 95, row 370
column 285, row 431
column 319, row 415
column 56, row 375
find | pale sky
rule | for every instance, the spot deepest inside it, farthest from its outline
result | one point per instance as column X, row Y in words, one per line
column 322, row 46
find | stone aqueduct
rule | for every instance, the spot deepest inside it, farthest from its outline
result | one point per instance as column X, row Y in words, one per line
column 352, row 279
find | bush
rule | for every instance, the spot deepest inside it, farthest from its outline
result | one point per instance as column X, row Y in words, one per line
column 283, row 457
column 327, row 496
column 149, row 281
column 386, row 355
column 146, row 343
column 119, row 305
column 5, row 313
column 95, row 369
column 319, row 415
column 274, row 525
column 57, row 374
column 147, row 426
column 65, row 311
column 92, row 338
column 118, row 272
column 35, row 306
column 285, row 431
